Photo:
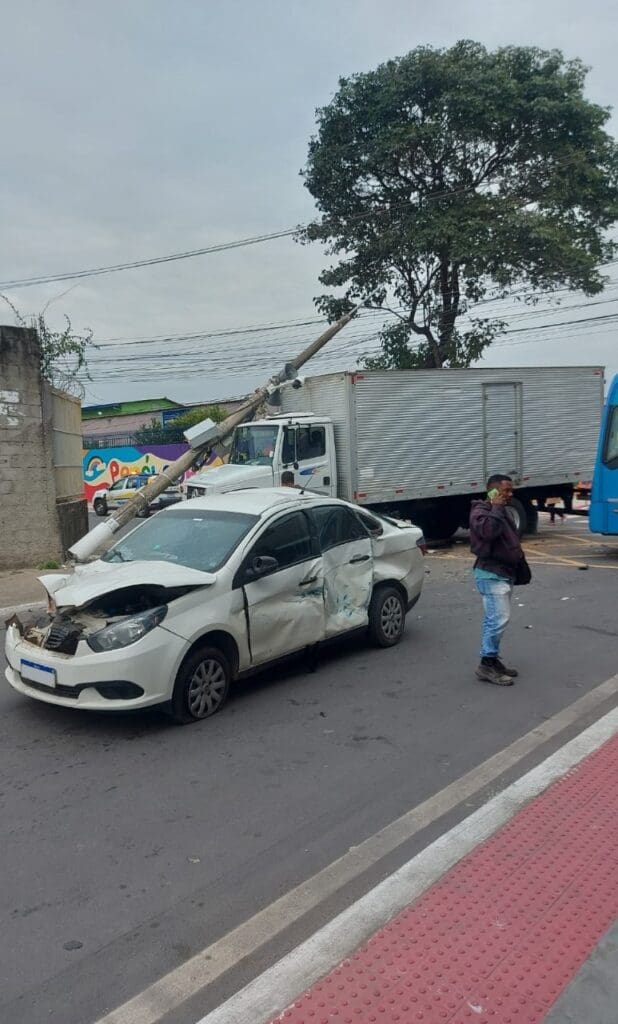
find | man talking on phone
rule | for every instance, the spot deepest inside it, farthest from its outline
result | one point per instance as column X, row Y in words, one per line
column 499, row 560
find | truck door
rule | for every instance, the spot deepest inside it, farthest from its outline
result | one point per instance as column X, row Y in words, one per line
column 502, row 430
column 311, row 463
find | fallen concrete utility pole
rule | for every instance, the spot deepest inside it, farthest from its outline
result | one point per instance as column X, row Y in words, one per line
column 100, row 538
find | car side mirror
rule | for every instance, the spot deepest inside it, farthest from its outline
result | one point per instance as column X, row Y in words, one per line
column 261, row 565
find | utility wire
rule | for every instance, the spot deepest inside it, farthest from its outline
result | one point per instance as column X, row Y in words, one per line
column 27, row 282
column 354, row 348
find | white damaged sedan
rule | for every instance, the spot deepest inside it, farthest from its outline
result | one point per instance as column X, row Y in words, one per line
column 211, row 590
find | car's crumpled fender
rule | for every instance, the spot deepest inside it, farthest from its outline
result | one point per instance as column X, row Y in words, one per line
column 87, row 582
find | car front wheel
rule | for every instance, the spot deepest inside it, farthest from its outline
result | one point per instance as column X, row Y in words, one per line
column 99, row 506
column 202, row 685
column 387, row 617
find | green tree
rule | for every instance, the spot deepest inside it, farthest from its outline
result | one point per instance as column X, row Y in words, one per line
column 193, row 416
column 154, row 433
column 172, row 432
column 445, row 176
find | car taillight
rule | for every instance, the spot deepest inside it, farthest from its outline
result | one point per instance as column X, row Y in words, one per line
column 422, row 544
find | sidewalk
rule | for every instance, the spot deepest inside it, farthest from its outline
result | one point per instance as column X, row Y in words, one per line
column 511, row 917
column 20, row 588
column 502, row 934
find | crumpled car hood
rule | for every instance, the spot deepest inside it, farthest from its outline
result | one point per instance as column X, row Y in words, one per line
column 230, row 477
column 90, row 581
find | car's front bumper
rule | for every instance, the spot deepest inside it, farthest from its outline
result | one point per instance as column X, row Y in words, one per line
column 144, row 672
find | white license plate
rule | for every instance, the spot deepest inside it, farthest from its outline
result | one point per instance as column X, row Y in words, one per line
column 37, row 673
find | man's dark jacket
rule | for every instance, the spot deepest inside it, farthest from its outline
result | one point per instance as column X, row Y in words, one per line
column 494, row 539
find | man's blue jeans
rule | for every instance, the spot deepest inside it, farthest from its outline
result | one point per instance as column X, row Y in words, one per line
column 496, row 596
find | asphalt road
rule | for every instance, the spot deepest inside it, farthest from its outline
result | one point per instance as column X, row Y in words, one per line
column 130, row 843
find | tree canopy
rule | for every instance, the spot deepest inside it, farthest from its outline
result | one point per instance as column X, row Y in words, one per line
column 193, row 416
column 173, row 431
column 445, row 176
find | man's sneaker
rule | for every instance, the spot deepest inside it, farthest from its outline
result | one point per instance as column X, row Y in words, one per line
column 492, row 674
column 512, row 672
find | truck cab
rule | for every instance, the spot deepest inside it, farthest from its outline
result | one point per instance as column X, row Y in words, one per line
column 603, row 515
column 302, row 443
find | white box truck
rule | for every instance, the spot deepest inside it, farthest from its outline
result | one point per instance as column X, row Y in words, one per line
column 420, row 444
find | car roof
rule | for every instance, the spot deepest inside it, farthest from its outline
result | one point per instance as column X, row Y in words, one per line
column 257, row 501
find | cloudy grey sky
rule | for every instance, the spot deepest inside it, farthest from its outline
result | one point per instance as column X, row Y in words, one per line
column 137, row 128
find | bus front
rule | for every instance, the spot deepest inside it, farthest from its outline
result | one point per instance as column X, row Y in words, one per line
column 603, row 517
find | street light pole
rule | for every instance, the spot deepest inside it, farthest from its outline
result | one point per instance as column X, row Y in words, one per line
column 101, row 536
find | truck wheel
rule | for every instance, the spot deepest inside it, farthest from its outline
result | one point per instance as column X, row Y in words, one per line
column 532, row 517
column 517, row 511
column 387, row 617
column 99, row 506
column 202, row 685
column 437, row 523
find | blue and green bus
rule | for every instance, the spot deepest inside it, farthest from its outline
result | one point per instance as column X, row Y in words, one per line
column 603, row 516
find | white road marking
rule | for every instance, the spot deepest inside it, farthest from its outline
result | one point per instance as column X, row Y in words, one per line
column 275, row 990
column 201, row 970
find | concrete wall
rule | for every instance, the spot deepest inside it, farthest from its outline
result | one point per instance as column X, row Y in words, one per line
column 71, row 505
column 67, row 442
column 29, row 526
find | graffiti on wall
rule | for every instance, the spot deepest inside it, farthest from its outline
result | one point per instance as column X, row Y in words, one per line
column 103, row 466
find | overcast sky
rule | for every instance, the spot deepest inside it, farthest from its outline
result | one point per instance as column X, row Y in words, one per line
column 137, row 128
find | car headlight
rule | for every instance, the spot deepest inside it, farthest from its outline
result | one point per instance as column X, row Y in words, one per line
column 126, row 631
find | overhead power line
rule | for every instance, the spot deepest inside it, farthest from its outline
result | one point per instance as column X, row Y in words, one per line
column 514, row 314
column 27, row 282
column 345, row 353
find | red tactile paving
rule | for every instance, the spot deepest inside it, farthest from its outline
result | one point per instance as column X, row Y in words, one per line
column 497, row 939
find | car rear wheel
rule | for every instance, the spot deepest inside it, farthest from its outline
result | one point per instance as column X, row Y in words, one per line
column 99, row 506
column 202, row 685
column 387, row 617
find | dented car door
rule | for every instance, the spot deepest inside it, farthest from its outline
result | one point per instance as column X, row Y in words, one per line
column 347, row 557
column 284, row 607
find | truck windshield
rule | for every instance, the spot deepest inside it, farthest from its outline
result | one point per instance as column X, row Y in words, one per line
column 254, row 445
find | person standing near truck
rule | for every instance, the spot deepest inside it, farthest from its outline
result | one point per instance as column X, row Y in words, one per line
column 551, row 504
column 498, row 567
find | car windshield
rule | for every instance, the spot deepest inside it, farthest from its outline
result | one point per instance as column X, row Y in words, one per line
column 254, row 445
column 197, row 538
